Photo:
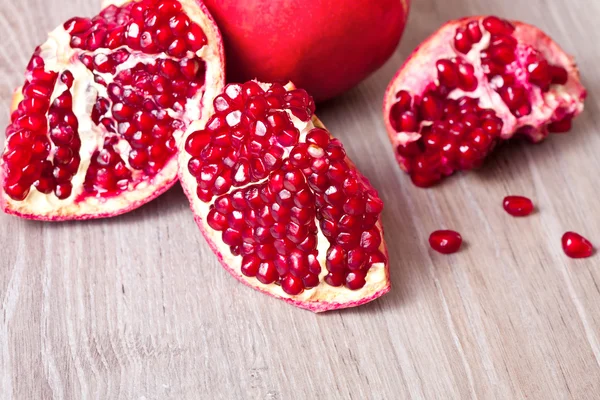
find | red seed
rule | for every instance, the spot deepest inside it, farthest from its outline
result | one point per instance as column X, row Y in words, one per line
column 497, row 26
column 355, row 280
column 576, row 246
column 292, row 285
column 445, row 241
column 447, row 73
column 462, row 42
column 518, row 206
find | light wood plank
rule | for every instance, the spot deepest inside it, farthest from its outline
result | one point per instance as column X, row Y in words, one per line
column 138, row 308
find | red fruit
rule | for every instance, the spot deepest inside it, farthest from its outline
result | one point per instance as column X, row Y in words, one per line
column 576, row 246
column 445, row 241
column 294, row 219
column 518, row 206
column 307, row 42
column 62, row 162
column 446, row 112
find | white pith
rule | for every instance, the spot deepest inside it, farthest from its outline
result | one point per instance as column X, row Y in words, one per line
column 547, row 107
column 59, row 56
column 321, row 298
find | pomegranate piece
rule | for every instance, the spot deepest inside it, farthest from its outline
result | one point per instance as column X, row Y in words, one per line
column 445, row 241
column 518, row 206
column 281, row 204
column 95, row 128
column 473, row 84
column 576, row 246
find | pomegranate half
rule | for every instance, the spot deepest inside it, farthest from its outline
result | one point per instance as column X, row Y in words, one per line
column 97, row 125
column 474, row 83
column 280, row 203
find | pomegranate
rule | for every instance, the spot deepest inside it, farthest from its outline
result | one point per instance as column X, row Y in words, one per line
column 518, row 206
column 445, row 241
column 473, row 84
column 96, row 127
column 323, row 46
column 280, row 203
column 576, row 246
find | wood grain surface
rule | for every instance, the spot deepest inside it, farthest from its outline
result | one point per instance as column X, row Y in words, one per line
column 137, row 307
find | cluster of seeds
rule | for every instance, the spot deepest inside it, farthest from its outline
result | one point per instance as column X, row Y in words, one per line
column 457, row 134
column 498, row 58
column 287, row 184
column 34, row 124
column 135, row 108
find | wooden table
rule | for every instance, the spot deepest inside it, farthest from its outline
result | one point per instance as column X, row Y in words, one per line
column 137, row 307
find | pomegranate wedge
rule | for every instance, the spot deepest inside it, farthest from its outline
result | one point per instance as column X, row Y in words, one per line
column 280, row 203
column 474, row 83
column 97, row 124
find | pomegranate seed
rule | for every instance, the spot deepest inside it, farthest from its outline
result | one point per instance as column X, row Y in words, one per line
column 496, row 26
column 474, row 32
column 447, row 73
column 466, row 77
column 576, row 246
column 355, row 280
column 177, row 48
column 17, row 191
column 430, row 108
column 518, row 206
column 179, row 24
column 63, row 190
column 335, row 279
column 267, row 273
column 559, row 75
column 462, row 42
column 77, row 25
column 195, row 37
column 292, row 285
column 445, row 241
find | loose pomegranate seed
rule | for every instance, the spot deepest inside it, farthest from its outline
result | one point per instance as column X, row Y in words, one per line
column 518, row 206
column 576, row 246
column 445, row 241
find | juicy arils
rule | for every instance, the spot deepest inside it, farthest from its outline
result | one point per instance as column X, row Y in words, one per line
column 96, row 125
column 281, row 204
column 473, row 84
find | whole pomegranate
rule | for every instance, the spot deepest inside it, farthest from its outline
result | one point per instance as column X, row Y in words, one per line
column 473, row 84
column 323, row 46
column 97, row 124
column 280, row 203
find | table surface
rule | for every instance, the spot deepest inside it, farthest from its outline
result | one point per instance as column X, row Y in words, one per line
column 137, row 307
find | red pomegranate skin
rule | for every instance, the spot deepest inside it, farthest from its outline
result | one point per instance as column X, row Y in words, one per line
column 323, row 46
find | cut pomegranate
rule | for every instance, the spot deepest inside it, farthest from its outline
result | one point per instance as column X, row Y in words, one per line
column 445, row 241
column 518, row 206
column 280, row 203
column 576, row 246
column 96, row 126
column 473, row 84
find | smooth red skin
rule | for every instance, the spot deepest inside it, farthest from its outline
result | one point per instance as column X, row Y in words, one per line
column 454, row 241
column 518, row 206
column 579, row 247
column 323, row 46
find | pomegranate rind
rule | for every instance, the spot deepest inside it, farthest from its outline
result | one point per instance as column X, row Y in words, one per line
column 94, row 208
column 319, row 299
column 419, row 70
